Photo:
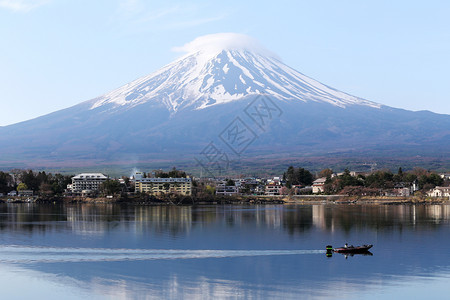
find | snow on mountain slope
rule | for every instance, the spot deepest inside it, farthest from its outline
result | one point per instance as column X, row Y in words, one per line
column 221, row 68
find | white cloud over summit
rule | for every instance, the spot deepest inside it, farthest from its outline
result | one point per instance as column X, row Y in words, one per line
column 223, row 41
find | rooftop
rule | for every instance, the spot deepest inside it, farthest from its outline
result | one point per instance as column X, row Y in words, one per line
column 90, row 176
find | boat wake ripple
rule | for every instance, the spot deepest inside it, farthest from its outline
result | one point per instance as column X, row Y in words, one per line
column 33, row 254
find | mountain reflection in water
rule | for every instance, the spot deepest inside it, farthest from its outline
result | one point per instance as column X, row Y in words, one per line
column 271, row 251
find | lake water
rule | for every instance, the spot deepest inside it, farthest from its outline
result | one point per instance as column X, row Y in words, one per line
column 215, row 252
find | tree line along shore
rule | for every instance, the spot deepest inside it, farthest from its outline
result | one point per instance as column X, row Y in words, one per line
column 294, row 186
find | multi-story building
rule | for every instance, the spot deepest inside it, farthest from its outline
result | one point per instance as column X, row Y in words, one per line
column 87, row 183
column 439, row 191
column 25, row 193
column 273, row 189
column 158, row 186
column 227, row 190
column 318, row 185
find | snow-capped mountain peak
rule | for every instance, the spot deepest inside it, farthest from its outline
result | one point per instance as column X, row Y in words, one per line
column 221, row 68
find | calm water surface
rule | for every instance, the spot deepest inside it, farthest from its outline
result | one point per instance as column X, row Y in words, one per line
column 257, row 252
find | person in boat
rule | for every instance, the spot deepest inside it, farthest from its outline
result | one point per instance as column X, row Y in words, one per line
column 346, row 246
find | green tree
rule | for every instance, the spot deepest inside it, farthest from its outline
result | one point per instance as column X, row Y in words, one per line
column 304, row 177
column 22, row 186
column 111, row 187
column 6, row 182
column 59, row 182
column 348, row 180
column 409, row 177
column 429, row 181
column 380, row 179
column 230, row 182
column 174, row 173
column 210, row 190
column 289, row 176
column 29, row 178
column 297, row 176
column 397, row 178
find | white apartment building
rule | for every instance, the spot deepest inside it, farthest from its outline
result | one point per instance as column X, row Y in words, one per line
column 318, row 185
column 439, row 191
column 87, row 182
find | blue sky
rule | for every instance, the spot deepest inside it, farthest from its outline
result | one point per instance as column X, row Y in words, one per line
column 58, row 53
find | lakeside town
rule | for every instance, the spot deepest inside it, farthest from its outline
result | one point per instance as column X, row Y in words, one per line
column 178, row 187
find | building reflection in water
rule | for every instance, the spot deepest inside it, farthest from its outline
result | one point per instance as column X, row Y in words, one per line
column 161, row 219
column 90, row 219
column 61, row 228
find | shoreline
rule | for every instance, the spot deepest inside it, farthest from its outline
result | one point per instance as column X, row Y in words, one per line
column 233, row 200
column 380, row 200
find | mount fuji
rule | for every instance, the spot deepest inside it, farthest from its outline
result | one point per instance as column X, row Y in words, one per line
column 220, row 69
column 174, row 113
